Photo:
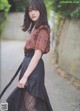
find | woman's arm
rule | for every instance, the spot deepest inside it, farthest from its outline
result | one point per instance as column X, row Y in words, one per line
column 33, row 63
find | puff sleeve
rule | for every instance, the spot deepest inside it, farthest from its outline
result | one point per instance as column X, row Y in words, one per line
column 43, row 41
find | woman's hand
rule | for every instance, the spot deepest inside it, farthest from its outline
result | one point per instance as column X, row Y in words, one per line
column 21, row 83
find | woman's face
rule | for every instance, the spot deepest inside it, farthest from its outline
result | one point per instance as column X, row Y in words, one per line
column 34, row 14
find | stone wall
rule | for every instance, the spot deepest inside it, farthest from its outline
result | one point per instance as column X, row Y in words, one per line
column 68, row 48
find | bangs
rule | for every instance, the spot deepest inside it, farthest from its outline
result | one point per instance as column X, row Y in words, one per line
column 31, row 8
column 33, row 5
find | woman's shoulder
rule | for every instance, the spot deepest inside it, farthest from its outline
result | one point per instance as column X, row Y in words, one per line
column 44, row 28
column 41, row 30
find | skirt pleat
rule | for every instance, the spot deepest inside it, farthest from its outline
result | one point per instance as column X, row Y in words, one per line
column 34, row 96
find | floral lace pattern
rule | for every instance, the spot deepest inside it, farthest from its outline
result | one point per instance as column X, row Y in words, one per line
column 39, row 39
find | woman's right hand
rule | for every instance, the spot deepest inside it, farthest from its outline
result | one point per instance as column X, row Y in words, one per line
column 22, row 82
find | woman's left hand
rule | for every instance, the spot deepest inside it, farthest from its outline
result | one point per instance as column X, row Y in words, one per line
column 21, row 83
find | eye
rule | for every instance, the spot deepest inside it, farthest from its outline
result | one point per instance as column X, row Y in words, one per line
column 30, row 10
column 35, row 9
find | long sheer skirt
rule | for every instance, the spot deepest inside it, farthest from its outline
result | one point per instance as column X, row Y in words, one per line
column 34, row 96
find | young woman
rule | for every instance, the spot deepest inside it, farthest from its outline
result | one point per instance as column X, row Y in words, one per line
column 30, row 93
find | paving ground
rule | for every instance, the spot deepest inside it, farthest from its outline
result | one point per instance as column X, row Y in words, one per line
column 63, row 96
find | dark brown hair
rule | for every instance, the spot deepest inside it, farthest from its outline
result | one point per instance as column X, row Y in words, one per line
column 40, row 6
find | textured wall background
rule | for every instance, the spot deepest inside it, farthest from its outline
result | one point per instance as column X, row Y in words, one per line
column 13, row 30
column 69, row 48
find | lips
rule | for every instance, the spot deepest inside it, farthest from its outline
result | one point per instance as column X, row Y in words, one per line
column 33, row 17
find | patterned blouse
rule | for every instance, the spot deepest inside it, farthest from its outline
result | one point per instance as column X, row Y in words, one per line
column 39, row 39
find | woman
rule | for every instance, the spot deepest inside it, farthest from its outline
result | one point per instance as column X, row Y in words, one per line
column 30, row 93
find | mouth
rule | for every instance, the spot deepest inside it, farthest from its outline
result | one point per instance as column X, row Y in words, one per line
column 33, row 17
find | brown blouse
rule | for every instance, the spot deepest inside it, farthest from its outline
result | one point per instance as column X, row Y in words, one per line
column 39, row 39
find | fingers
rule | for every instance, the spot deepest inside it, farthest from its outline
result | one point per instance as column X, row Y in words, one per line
column 20, row 85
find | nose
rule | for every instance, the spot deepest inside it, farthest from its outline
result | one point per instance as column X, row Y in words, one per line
column 33, row 12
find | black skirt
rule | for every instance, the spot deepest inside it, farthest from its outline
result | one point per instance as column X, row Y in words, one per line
column 34, row 96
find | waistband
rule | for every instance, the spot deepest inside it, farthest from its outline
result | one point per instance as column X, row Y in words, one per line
column 29, row 53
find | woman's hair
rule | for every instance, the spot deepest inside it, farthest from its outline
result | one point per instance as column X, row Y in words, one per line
column 40, row 6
